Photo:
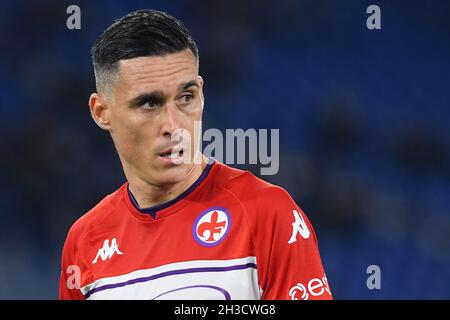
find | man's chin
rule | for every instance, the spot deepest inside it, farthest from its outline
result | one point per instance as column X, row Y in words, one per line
column 172, row 174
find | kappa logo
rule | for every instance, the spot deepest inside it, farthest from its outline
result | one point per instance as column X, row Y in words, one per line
column 298, row 226
column 107, row 251
column 211, row 226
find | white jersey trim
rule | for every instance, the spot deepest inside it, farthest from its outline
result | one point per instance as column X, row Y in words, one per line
column 197, row 279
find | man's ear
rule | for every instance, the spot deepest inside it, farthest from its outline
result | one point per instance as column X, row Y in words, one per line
column 100, row 110
column 200, row 80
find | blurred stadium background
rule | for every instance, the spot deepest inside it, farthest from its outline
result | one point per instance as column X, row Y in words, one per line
column 363, row 117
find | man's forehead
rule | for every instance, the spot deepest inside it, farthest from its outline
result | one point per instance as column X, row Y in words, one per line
column 157, row 67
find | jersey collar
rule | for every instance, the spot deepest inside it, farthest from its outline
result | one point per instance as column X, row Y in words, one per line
column 153, row 210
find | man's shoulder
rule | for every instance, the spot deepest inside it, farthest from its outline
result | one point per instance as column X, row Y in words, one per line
column 99, row 212
column 249, row 188
column 264, row 204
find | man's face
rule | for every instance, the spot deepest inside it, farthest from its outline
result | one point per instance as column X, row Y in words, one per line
column 155, row 102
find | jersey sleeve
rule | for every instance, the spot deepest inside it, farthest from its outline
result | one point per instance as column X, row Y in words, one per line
column 71, row 270
column 288, row 258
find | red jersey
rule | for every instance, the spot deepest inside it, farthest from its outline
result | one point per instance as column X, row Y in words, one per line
column 231, row 235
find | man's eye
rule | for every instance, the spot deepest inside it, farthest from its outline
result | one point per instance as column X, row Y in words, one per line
column 186, row 98
column 149, row 104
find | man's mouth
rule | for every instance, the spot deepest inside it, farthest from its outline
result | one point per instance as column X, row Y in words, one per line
column 174, row 155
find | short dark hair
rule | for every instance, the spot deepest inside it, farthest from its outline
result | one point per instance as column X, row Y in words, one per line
column 138, row 34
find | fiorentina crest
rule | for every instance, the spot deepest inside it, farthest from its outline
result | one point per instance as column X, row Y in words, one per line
column 211, row 226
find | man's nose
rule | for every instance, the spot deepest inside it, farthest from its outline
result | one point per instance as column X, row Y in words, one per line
column 171, row 121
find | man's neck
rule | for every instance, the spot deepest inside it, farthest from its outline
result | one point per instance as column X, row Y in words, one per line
column 148, row 195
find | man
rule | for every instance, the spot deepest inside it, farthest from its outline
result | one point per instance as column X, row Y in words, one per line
column 178, row 229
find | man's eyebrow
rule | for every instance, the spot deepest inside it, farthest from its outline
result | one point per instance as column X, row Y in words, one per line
column 156, row 96
column 189, row 84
